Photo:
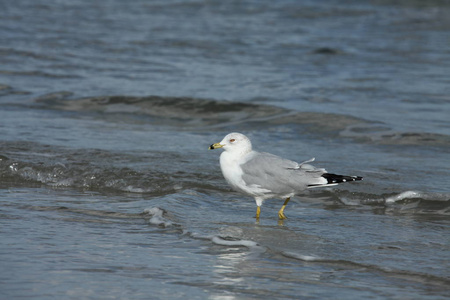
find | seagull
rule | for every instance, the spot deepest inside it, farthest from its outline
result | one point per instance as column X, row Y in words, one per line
column 264, row 175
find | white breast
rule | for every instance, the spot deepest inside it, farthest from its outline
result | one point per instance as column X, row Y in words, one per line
column 232, row 172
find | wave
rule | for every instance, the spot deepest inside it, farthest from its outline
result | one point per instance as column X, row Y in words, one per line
column 378, row 134
column 184, row 111
column 267, row 240
column 37, row 74
column 86, row 177
column 406, row 202
column 58, row 167
column 90, row 169
column 200, row 113
column 403, row 274
column 238, row 243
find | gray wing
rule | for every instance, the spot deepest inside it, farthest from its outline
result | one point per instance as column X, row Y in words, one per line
column 279, row 175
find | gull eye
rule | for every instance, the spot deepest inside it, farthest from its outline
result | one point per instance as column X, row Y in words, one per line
column 232, row 140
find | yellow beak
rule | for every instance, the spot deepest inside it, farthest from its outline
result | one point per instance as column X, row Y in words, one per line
column 215, row 146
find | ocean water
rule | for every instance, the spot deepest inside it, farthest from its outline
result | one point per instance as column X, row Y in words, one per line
column 107, row 109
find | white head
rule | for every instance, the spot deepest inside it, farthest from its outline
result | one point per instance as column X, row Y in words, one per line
column 234, row 142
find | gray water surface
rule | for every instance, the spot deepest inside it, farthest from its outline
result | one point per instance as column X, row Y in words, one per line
column 108, row 191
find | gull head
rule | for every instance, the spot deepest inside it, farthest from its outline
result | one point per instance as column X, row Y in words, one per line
column 234, row 142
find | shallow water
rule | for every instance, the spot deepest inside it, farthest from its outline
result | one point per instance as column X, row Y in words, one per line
column 107, row 189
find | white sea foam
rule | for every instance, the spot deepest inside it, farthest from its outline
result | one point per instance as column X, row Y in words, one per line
column 246, row 243
column 350, row 202
column 301, row 256
column 157, row 217
column 404, row 195
column 132, row 189
column 229, row 236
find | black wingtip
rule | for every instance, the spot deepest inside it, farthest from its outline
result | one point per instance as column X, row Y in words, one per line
column 334, row 178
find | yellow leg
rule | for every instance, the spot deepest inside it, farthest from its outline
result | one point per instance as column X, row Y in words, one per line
column 258, row 211
column 281, row 215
